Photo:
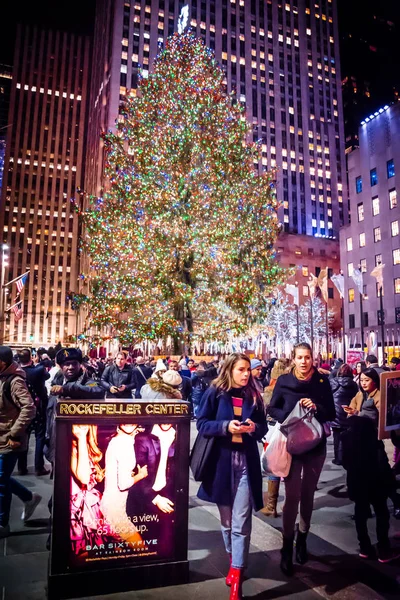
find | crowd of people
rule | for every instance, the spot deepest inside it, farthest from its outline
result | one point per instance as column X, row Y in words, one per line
column 234, row 401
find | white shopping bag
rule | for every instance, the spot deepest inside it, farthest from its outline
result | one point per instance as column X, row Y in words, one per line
column 276, row 459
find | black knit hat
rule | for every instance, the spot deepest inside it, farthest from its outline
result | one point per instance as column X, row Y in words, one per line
column 6, row 354
column 68, row 354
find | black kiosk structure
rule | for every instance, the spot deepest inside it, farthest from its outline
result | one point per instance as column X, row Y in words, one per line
column 120, row 504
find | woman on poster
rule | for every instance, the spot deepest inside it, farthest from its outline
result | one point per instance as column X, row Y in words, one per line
column 85, row 499
column 232, row 412
column 120, row 466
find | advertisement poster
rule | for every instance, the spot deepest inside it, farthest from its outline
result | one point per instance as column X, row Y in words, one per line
column 122, row 492
column 389, row 416
column 354, row 356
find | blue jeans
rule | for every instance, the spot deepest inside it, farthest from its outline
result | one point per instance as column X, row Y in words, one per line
column 236, row 519
column 9, row 486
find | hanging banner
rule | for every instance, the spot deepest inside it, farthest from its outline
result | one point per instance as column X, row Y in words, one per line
column 338, row 282
column 323, row 283
column 358, row 280
column 353, row 357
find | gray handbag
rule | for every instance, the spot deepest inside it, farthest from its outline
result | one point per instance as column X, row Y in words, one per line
column 302, row 430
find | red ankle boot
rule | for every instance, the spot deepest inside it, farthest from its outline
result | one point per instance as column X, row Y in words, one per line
column 236, row 585
column 229, row 577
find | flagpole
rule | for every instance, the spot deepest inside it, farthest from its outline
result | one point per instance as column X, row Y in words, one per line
column 362, row 322
column 327, row 330
column 382, row 324
column 16, row 279
column 312, row 325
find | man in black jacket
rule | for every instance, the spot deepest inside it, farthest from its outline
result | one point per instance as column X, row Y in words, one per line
column 35, row 377
column 142, row 374
column 118, row 379
column 72, row 381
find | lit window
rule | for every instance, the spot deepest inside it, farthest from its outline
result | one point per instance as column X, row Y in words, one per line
column 349, row 242
column 373, row 177
column 377, row 234
column 358, row 185
column 390, row 168
column 392, row 199
column 378, row 259
column 396, row 256
column 375, row 206
column 362, row 240
column 363, row 265
column 351, row 294
column 350, row 269
column 304, row 270
column 397, row 285
column 360, row 211
column 305, row 290
column 394, row 226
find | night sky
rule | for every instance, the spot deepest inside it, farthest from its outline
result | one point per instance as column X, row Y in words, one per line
column 74, row 15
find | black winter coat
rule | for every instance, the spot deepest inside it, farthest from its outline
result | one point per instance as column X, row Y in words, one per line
column 289, row 390
column 215, row 412
column 369, row 475
column 343, row 389
column 113, row 376
column 141, row 379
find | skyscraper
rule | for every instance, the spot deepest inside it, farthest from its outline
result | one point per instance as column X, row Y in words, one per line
column 369, row 33
column 43, row 167
column 282, row 62
column 5, row 90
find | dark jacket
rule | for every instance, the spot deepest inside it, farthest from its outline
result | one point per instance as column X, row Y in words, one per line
column 215, row 412
column 141, row 378
column 148, row 452
column 369, row 475
column 113, row 376
column 36, row 376
column 289, row 390
column 84, row 389
column 185, row 388
column 344, row 389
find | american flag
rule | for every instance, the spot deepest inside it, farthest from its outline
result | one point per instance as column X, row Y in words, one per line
column 18, row 312
column 21, row 283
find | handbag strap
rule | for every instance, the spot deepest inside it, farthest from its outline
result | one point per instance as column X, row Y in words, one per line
column 293, row 423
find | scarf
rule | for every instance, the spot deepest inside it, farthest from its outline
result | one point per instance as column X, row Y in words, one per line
column 302, row 377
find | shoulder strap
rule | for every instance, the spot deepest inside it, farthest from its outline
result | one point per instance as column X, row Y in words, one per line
column 7, row 389
column 141, row 372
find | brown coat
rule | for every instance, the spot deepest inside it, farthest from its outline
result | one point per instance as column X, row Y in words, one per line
column 358, row 400
column 16, row 416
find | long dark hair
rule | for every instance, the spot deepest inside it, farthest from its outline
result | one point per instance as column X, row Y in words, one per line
column 374, row 375
column 224, row 380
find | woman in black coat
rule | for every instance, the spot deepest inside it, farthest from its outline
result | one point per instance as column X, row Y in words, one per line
column 344, row 388
column 306, row 385
column 232, row 412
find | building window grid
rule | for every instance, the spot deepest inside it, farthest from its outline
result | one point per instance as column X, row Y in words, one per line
column 377, row 234
column 375, row 206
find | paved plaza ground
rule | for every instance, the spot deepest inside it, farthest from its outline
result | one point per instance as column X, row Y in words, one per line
column 334, row 571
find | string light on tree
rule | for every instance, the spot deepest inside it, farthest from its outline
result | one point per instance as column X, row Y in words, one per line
column 182, row 243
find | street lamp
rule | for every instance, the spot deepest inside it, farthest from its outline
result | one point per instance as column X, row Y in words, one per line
column 4, row 266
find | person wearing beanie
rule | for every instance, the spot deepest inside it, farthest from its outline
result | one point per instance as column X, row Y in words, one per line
column 185, row 388
column 160, row 369
column 71, row 381
column 17, row 410
column 164, row 388
column 256, row 370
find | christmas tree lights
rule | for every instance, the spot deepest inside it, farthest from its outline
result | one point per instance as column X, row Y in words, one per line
column 181, row 244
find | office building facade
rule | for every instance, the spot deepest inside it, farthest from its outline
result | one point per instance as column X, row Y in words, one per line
column 373, row 236
column 43, row 168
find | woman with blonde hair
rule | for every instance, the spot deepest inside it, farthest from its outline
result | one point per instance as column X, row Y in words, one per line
column 232, row 413
column 306, row 385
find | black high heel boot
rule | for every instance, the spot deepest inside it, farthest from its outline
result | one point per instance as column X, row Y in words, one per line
column 301, row 548
column 287, row 556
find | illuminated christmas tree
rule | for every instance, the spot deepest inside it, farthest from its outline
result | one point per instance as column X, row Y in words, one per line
column 181, row 245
